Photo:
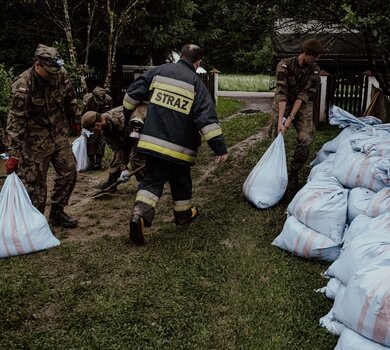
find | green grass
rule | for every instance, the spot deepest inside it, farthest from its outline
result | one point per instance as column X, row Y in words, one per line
column 236, row 82
column 228, row 106
column 217, row 284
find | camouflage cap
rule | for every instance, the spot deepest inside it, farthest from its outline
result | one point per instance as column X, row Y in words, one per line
column 49, row 58
column 88, row 120
column 312, row 47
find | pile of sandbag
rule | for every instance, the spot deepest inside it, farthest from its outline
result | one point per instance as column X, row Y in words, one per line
column 343, row 215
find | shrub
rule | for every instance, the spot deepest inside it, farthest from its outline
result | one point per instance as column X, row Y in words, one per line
column 6, row 78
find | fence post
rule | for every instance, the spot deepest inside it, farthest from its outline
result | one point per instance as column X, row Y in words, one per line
column 214, row 72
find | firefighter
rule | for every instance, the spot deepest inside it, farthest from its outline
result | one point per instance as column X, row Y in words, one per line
column 296, row 81
column 180, row 109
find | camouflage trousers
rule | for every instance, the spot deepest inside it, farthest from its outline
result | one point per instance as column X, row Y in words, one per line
column 304, row 126
column 34, row 168
column 122, row 156
column 96, row 145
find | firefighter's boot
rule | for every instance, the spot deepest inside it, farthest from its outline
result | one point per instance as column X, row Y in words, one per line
column 187, row 217
column 137, row 228
column 58, row 217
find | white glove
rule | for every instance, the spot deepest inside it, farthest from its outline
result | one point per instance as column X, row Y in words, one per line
column 125, row 176
column 86, row 132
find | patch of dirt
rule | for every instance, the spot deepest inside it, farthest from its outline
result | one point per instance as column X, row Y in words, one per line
column 109, row 214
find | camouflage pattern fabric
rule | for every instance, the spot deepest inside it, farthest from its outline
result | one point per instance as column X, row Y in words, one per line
column 124, row 148
column 38, row 129
column 97, row 101
column 3, row 140
column 294, row 82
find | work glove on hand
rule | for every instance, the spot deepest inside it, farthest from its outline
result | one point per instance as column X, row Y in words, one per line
column 76, row 128
column 125, row 176
column 11, row 164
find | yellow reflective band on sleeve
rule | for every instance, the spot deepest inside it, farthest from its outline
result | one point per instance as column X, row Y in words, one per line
column 163, row 150
column 171, row 88
column 172, row 101
column 128, row 105
column 212, row 133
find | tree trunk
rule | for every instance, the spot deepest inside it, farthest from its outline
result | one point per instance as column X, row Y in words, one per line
column 69, row 36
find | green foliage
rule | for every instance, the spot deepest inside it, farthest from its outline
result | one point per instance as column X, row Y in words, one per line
column 6, row 78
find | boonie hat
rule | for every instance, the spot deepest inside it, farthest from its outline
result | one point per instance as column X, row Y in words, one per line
column 49, row 58
column 88, row 119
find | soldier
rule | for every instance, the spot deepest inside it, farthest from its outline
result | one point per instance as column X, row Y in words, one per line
column 296, row 80
column 42, row 109
column 3, row 140
column 180, row 109
column 98, row 101
column 121, row 138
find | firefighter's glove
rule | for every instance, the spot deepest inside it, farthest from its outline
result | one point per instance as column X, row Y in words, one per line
column 125, row 176
column 11, row 164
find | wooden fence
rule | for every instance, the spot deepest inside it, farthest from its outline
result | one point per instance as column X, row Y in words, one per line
column 121, row 81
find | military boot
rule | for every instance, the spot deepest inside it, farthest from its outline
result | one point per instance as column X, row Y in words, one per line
column 112, row 178
column 137, row 228
column 98, row 162
column 58, row 217
column 91, row 162
column 181, row 219
column 293, row 181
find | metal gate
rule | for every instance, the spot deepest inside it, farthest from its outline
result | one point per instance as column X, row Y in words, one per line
column 348, row 92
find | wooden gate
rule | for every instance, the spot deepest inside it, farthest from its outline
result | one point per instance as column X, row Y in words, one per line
column 348, row 92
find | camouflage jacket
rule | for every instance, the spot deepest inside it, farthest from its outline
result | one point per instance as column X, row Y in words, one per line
column 3, row 141
column 40, row 113
column 89, row 104
column 294, row 82
column 117, row 136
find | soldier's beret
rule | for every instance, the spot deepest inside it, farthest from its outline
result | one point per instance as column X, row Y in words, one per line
column 312, row 47
column 49, row 58
column 88, row 119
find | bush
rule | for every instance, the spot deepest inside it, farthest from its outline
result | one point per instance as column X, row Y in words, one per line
column 6, row 78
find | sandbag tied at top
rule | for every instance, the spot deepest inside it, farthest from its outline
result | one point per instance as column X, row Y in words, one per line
column 23, row 229
column 79, row 148
column 342, row 118
column 322, row 205
column 267, row 182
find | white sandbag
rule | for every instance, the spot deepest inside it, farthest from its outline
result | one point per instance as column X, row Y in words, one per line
column 322, row 169
column 23, row 229
column 380, row 222
column 329, row 321
column 267, row 182
column 79, row 148
column 379, row 203
column 350, row 340
column 358, row 200
column 305, row 242
column 365, row 306
column 358, row 226
column 361, row 160
column 331, row 288
column 338, row 116
column 362, row 251
column 322, row 205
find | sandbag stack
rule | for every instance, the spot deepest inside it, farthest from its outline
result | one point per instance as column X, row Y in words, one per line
column 354, row 168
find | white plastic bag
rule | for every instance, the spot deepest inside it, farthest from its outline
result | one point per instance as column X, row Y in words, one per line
column 267, row 182
column 79, row 148
column 23, row 229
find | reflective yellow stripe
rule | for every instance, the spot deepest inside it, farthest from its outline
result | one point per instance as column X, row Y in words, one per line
column 212, row 133
column 163, row 150
column 172, row 88
column 182, row 205
column 149, row 201
column 128, row 105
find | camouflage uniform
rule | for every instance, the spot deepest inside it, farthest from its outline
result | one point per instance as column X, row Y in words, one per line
column 294, row 82
column 38, row 127
column 3, row 140
column 97, row 101
column 124, row 147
